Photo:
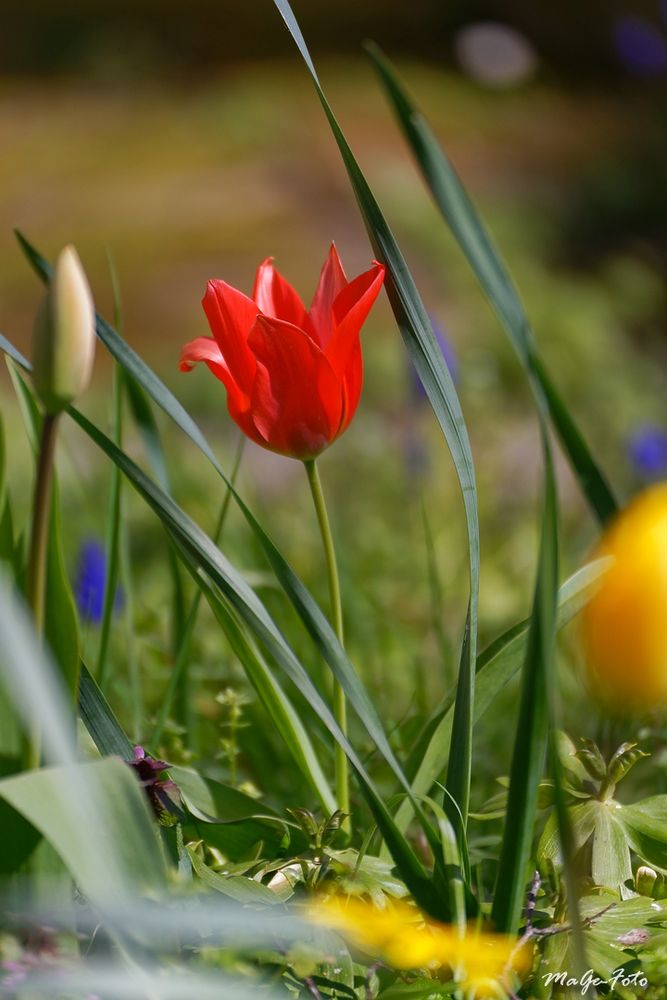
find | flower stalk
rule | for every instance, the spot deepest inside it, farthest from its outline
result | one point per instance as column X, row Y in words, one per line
column 39, row 542
column 339, row 703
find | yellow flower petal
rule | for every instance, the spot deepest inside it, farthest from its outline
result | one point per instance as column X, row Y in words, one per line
column 624, row 625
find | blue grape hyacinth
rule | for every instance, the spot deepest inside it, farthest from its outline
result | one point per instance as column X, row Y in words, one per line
column 90, row 582
column 647, row 450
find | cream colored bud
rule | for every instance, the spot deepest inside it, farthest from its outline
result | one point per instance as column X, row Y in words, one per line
column 63, row 345
column 645, row 878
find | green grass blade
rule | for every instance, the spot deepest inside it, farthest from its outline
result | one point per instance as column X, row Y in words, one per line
column 460, row 214
column 179, row 677
column 531, row 736
column 114, row 513
column 112, row 538
column 496, row 666
column 415, row 328
column 104, row 728
column 251, row 610
column 278, row 706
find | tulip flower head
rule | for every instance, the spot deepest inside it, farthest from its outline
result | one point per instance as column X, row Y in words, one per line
column 293, row 376
column 406, row 939
column 624, row 625
column 63, row 346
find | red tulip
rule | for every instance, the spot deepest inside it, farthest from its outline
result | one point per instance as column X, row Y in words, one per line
column 293, row 376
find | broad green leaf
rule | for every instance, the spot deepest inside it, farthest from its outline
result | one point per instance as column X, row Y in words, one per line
column 645, row 825
column 415, row 328
column 95, row 815
column 622, row 915
column 611, row 854
column 44, row 798
column 212, row 802
column 582, row 820
column 460, row 214
column 240, row 822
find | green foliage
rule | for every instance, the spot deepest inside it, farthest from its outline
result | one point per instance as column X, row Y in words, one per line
column 192, row 874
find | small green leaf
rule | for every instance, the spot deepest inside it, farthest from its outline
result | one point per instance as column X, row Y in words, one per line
column 243, row 890
column 592, row 759
column 623, row 760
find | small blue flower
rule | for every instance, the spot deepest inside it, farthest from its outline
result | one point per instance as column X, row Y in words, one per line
column 90, row 583
column 640, row 45
column 647, row 450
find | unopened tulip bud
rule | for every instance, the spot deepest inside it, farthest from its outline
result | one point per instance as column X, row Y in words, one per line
column 645, row 878
column 63, row 344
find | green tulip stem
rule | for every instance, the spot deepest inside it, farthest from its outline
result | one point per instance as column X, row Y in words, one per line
column 339, row 705
column 37, row 559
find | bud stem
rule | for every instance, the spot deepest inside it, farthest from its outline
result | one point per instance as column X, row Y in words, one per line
column 39, row 540
column 339, row 704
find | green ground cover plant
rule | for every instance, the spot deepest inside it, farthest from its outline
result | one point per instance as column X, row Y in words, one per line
column 295, row 829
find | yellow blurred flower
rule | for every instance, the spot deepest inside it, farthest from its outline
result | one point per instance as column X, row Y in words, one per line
column 406, row 939
column 624, row 625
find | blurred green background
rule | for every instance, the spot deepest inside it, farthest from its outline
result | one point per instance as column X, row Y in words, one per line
column 187, row 142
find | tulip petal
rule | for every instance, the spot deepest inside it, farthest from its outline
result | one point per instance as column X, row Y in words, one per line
column 350, row 309
column 352, row 383
column 231, row 315
column 332, row 282
column 296, row 399
column 277, row 298
column 206, row 350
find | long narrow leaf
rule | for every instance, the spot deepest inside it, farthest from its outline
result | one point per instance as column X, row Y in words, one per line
column 311, row 614
column 460, row 214
column 105, row 730
column 281, row 711
column 531, row 735
column 415, row 328
column 251, row 610
column 496, row 666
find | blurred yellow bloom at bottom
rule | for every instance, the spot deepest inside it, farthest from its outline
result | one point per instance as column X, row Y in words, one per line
column 406, row 939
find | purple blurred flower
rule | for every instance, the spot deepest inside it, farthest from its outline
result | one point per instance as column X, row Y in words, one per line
column 647, row 450
column 418, row 393
column 90, row 582
column 163, row 794
column 640, row 45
